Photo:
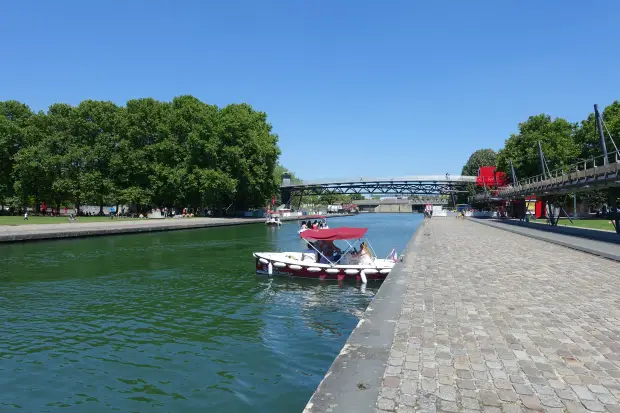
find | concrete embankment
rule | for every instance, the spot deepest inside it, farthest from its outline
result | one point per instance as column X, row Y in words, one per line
column 353, row 381
column 602, row 243
column 34, row 232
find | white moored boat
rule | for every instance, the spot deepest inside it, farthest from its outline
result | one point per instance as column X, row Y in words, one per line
column 307, row 225
column 273, row 221
column 316, row 263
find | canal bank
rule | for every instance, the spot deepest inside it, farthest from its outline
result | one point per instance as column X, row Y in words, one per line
column 353, row 381
column 36, row 232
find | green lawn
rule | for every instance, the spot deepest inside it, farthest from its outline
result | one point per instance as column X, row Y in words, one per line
column 53, row 220
column 604, row 224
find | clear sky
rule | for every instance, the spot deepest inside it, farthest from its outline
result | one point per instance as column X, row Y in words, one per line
column 353, row 88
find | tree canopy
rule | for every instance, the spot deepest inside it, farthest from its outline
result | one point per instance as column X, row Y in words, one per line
column 150, row 153
column 557, row 140
column 482, row 157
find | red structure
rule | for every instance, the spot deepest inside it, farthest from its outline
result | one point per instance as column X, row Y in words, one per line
column 489, row 177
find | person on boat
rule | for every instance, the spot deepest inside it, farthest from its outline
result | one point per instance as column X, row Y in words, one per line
column 309, row 254
column 329, row 249
column 361, row 257
column 315, row 225
column 303, row 225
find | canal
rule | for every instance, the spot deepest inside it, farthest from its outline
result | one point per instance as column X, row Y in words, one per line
column 173, row 321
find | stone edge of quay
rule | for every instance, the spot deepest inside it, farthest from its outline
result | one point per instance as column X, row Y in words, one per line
column 92, row 232
column 353, row 381
column 542, row 237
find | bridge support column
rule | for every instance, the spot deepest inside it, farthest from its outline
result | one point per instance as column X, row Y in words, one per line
column 553, row 213
column 614, row 215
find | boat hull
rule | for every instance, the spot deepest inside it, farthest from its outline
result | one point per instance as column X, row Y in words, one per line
column 299, row 270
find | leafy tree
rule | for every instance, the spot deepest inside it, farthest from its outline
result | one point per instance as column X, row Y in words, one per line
column 586, row 135
column 557, row 140
column 14, row 118
column 481, row 157
column 150, row 153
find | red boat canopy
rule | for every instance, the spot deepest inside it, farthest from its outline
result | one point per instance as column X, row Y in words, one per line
column 334, row 234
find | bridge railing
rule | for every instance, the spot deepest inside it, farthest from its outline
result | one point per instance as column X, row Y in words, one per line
column 591, row 163
column 457, row 179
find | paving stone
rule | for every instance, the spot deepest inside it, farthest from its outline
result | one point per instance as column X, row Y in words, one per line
column 607, row 399
column 391, row 381
column 597, row 388
column 534, row 327
column 447, row 406
column 574, row 407
column 489, row 398
column 550, row 400
column 541, row 389
column 508, row 395
column 470, row 403
column 593, row 406
column 531, row 402
column 465, row 384
column 566, row 394
column 407, row 400
column 428, row 385
column 523, row 389
column 583, row 393
column 386, row 404
column 502, row 384
column 511, row 408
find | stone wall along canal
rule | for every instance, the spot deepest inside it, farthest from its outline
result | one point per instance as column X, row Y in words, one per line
column 172, row 321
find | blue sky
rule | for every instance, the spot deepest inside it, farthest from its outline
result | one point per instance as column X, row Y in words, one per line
column 353, row 88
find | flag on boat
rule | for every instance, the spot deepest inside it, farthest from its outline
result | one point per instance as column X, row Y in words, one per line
column 394, row 255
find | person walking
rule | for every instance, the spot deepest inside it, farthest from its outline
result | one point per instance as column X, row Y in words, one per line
column 26, row 216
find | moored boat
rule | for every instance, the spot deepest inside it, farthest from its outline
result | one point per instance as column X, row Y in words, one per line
column 321, row 221
column 351, row 264
column 273, row 221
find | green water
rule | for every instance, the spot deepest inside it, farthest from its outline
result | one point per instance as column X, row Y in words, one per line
column 173, row 321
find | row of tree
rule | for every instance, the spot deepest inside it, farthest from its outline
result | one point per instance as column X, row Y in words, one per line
column 147, row 153
column 563, row 143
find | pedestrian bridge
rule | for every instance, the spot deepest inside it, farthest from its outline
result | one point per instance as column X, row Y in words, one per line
column 414, row 204
column 403, row 185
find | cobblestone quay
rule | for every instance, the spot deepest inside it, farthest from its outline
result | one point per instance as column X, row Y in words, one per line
column 494, row 321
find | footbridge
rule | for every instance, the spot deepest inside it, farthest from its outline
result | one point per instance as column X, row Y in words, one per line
column 404, row 185
column 415, row 203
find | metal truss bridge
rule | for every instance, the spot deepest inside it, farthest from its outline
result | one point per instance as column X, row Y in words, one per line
column 405, row 186
column 591, row 174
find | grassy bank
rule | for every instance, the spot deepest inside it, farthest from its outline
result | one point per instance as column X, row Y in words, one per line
column 602, row 224
column 19, row 220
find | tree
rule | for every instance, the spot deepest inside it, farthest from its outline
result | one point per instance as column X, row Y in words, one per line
column 249, row 154
column 481, row 157
column 150, row 153
column 14, row 119
column 587, row 137
column 558, row 144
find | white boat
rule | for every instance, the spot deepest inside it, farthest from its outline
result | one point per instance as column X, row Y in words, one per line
column 321, row 219
column 360, row 265
column 273, row 221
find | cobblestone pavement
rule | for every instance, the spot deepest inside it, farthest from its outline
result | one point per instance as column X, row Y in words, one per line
column 494, row 321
